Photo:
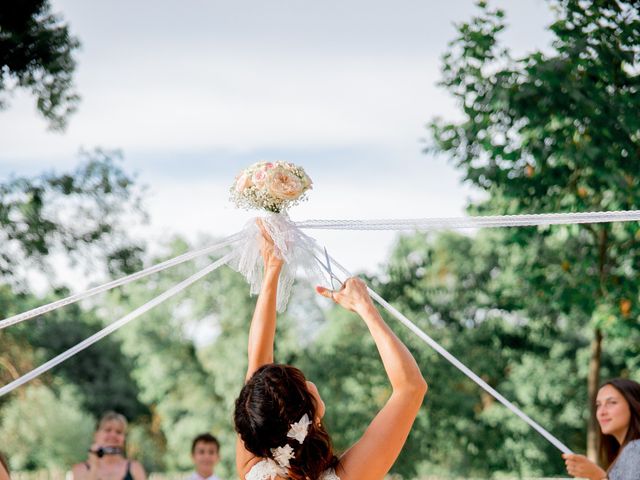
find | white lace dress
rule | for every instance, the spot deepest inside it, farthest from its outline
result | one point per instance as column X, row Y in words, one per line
column 267, row 469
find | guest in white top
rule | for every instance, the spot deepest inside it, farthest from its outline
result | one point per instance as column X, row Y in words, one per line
column 205, row 453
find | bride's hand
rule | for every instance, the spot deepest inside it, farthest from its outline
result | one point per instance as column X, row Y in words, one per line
column 353, row 295
column 267, row 249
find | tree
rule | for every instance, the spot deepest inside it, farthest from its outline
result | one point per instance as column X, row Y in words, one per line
column 101, row 374
column 472, row 294
column 82, row 214
column 461, row 291
column 36, row 52
column 558, row 132
column 42, row 429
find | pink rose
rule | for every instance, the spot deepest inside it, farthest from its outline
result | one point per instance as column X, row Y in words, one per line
column 284, row 185
column 259, row 177
column 242, row 183
column 268, row 165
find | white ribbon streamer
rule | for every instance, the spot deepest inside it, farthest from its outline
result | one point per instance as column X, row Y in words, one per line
column 490, row 221
column 116, row 283
column 114, row 326
column 297, row 250
column 460, row 366
column 249, row 264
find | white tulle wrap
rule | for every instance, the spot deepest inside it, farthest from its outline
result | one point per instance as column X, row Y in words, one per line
column 292, row 245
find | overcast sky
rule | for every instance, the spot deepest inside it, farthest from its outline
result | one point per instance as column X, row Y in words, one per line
column 193, row 91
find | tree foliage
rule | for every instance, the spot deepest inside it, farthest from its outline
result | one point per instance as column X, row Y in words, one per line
column 82, row 214
column 101, row 374
column 79, row 214
column 557, row 132
column 45, row 429
column 36, row 53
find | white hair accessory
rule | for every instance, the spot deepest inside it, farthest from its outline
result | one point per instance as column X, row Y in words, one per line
column 300, row 429
column 283, row 454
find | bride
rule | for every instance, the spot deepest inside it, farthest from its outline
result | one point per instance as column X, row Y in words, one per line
column 278, row 414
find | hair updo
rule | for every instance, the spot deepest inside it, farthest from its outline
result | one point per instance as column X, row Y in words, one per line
column 275, row 397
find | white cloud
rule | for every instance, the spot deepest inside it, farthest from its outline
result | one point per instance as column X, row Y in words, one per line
column 336, row 103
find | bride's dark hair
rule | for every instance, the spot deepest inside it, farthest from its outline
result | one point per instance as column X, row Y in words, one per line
column 275, row 397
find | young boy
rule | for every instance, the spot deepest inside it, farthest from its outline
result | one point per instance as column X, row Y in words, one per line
column 205, row 453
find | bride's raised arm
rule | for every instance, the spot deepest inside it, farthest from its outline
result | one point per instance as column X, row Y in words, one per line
column 263, row 323
column 371, row 457
column 263, row 328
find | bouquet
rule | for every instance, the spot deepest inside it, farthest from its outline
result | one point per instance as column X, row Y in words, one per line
column 272, row 186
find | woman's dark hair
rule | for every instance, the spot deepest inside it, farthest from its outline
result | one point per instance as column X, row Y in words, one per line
column 608, row 445
column 275, row 397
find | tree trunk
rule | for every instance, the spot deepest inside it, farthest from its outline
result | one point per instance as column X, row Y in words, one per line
column 593, row 381
column 593, row 378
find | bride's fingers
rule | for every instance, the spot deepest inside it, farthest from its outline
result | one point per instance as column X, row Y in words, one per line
column 264, row 231
column 325, row 292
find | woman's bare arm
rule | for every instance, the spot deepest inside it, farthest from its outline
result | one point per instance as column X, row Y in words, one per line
column 263, row 324
column 262, row 331
column 371, row 457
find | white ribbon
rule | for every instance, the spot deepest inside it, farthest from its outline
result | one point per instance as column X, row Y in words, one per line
column 49, row 307
column 460, row 366
column 297, row 250
column 486, row 221
column 113, row 326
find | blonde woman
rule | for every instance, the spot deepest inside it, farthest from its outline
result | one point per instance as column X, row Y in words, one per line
column 107, row 459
